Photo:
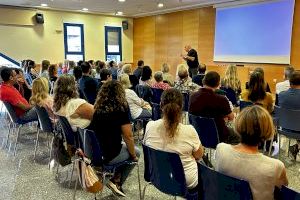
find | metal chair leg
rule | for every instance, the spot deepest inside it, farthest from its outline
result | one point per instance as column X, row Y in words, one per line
column 271, row 145
column 279, row 145
column 18, row 133
column 36, row 144
column 144, row 190
column 72, row 174
column 50, row 151
column 9, row 132
column 139, row 180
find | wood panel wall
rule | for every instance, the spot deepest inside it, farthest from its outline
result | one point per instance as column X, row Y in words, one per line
column 161, row 38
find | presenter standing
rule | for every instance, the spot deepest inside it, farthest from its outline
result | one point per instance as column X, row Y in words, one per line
column 191, row 60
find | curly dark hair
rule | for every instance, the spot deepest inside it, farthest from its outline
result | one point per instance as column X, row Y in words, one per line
column 111, row 98
column 64, row 89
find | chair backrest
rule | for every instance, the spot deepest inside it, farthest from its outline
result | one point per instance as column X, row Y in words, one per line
column 206, row 129
column 44, row 119
column 288, row 119
column 156, row 95
column 11, row 112
column 231, row 95
column 216, row 185
column 165, row 171
column 144, row 92
column 244, row 104
column 68, row 133
column 289, row 194
column 91, row 146
column 156, row 111
column 186, row 99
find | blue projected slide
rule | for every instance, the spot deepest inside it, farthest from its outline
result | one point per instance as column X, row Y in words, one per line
column 256, row 33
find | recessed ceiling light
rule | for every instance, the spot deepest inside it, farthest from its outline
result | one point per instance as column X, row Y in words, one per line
column 122, row 0
column 44, row 4
column 119, row 13
column 85, row 9
column 160, row 5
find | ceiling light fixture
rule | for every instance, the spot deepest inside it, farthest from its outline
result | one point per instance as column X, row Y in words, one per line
column 85, row 9
column 44, row 4
column 160, row 5
column 119, row 13
column 122, row 0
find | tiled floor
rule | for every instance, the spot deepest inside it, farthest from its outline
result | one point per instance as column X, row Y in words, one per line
column 21, row 178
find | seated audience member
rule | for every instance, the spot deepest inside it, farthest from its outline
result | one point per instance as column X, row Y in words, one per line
column 77, row 73
column 71, row 67
column 111, row 124
column 126, row 69
column 146, row 76
column 168, row 134
column 88, row 85
column 185, row 84
column 290, row 99
column 158, row 77
column 138, row 107
column 8, row 93
column 53, row 73
column 201, row 73
column 68, row 104
column 285, row 85
column 31, row 69
column 260, row 70
column 254, row 125
column 21, row 85
column 206, row 103
column 40, row 96
column 105, row 75
column 112, row 67
column 167, row 77
column 231, row 80
column 44, row 70
column 138, row 71
column 257, row 92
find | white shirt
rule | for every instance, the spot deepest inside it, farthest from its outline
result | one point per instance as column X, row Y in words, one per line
column 69, row 109
column 184, row 144
column 135, row 103
column 282, row 86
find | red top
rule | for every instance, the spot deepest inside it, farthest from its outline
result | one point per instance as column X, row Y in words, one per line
column 161, row 85
column 11, row 95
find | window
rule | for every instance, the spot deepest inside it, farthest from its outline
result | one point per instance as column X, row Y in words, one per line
column 74, row 41
column 7, row 61
column 113, row 43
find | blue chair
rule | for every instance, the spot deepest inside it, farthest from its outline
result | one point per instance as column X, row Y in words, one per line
column 217, row 186
column 207, row 131
column 231, row 95
column 288, row 123
column 45, row 126
column 144, row 92
column 156, row 95
column 15, row 123
column 164, row 170
column 156, row 111
column 92, row 150
column 71, row 137
column 289, row 194
column 244, row 104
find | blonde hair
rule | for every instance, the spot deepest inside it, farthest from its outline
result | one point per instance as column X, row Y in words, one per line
column 182, row 71
column 231, row 78
column 165, row 68
column 124, row 80
column 255, row 125
column 127, row 69
column 40, row 91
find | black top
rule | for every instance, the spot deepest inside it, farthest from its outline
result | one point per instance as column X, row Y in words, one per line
column 109, row 133
column 138, row 72
column 195, row 63
column 89, row 88
column 267, row 87
column 198, row 79
column 134, row 81
column 53, row 79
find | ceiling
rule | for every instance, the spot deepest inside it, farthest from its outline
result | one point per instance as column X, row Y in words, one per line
column 130, row 8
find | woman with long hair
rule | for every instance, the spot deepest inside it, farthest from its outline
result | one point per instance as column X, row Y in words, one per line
column 68, row 104
column 111, row 124
column 146, row 76
column 40, row 96
column 231, row 79
column 168, row 134
column 257, row 92
column 254, row 125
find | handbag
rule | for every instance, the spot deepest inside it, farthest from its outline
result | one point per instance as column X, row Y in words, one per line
column 60, row 153
column 87, row 175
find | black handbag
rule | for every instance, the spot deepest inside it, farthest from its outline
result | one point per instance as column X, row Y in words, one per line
column 60, row 153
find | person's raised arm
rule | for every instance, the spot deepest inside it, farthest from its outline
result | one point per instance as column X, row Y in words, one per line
column 129, row 140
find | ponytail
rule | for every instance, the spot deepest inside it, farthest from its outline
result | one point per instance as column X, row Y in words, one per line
column 172, row 117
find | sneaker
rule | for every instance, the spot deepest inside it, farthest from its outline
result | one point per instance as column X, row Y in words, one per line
column 117, row 190
column 294, row 151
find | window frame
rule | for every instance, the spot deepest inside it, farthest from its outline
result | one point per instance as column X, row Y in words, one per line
column 82, row 52
column 119, row 30
column 10, row 59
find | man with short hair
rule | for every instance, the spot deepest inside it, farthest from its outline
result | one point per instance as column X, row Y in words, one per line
column 191, row 60
column 201, row 73
column 88, row 85
column 105, row 75
column 9, row 94
column 138, row 71
column 285, row 85
column 206, row 103
column 290, row 99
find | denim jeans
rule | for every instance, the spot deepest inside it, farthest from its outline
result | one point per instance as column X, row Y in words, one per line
column 29, row 116
column 123, row 171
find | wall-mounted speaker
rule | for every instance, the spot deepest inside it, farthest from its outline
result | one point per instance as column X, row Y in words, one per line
column 39, row 17
column 125, row 25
